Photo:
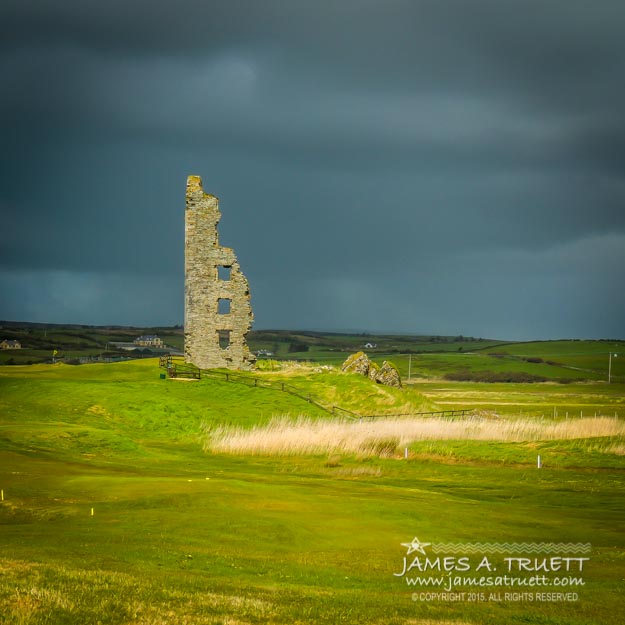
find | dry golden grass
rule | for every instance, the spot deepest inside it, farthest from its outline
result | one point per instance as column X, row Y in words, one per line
column 303, row 436
column 348, row 472
column 617, row 449
column 427, row 621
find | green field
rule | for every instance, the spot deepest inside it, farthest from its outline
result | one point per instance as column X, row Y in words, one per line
column 40, row 340
column 458, row 358
column 43, row 343
column 113, row 513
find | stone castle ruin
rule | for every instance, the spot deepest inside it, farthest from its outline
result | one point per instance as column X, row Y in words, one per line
column 217, row 314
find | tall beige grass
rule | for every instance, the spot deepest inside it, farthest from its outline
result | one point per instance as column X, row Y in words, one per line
column 303, row 436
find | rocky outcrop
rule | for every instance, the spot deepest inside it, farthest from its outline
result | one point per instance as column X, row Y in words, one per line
column 388, row 375
column 359, row 363
column 374, row 368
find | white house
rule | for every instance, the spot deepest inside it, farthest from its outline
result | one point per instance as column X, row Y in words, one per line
column 148, row 340
column 8, row 344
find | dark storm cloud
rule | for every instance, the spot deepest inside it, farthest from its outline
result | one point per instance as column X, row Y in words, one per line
column 380, row 151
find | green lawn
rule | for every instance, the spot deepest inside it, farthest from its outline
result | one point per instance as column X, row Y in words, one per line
column 561, row 400
column 181, row 536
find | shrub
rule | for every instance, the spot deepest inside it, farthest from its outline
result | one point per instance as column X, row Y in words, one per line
column 297, row 346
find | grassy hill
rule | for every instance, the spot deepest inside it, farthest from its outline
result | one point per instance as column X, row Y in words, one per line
column 539, row 361
column 457, row 358
column 39, row 341
column 114, row 513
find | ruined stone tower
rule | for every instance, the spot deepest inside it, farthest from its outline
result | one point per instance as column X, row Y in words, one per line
column 217, row 312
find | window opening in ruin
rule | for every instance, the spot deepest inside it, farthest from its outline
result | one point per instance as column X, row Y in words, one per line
column 224, row 338
column 223, row 306
column 223, row 272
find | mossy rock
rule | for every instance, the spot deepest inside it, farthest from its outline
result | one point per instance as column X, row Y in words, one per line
column 374, row 369
column 357, row 363
column 388, row 375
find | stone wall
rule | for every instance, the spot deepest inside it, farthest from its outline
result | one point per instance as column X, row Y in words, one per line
column 218, row 314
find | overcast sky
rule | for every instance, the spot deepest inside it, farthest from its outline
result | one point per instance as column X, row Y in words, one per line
column 437, row 167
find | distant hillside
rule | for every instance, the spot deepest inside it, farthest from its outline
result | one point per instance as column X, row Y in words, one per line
column 459, row 358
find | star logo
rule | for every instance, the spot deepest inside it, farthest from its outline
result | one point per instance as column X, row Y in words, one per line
column 415, row 545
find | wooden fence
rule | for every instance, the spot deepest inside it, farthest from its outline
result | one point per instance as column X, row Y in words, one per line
column 178, row 368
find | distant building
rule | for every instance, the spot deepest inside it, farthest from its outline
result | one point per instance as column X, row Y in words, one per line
column 148, row 340
column 7, row 344
column 370, row 345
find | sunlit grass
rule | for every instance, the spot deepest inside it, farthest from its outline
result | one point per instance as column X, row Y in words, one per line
column 183, row 536
column 55, row 593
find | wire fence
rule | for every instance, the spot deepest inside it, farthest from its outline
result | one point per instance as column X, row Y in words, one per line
column 178, row 368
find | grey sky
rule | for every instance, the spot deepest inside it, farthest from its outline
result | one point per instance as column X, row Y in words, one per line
column 437, row 167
